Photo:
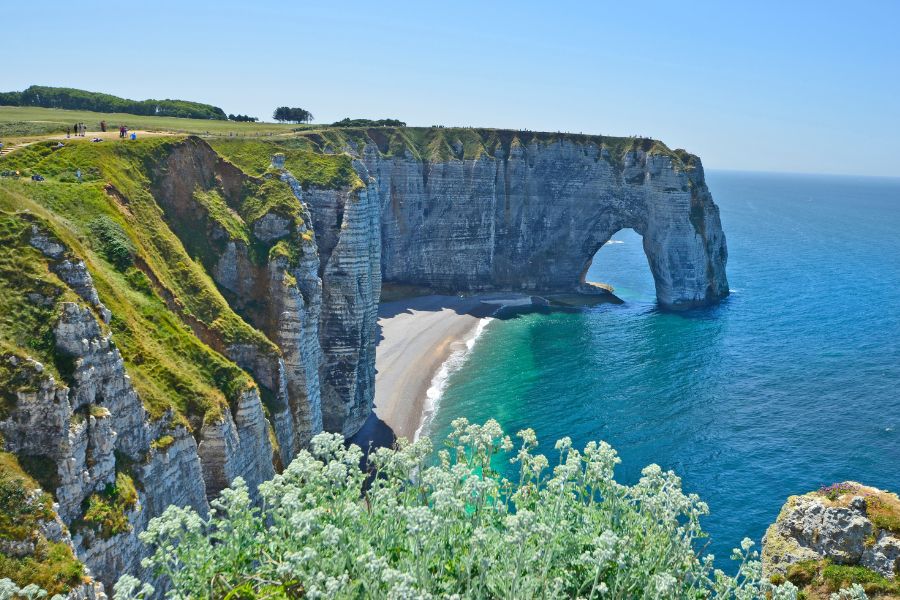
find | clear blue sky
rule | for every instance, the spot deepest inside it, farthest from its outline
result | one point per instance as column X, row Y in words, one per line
column 808, row 86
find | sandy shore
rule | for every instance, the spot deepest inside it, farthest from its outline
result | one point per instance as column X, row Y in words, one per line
column 417, row 336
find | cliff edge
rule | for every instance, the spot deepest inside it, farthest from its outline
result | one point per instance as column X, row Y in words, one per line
column 842, row 534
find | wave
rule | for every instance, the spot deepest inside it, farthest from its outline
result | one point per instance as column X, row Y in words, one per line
column 607, row 243
column 453, row 363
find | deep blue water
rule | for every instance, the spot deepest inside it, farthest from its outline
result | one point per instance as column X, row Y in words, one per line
column 791, row 383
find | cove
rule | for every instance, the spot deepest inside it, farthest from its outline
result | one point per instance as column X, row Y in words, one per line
column 788, row 384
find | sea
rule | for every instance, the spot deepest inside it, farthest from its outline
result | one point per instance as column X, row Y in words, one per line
column 791, row 383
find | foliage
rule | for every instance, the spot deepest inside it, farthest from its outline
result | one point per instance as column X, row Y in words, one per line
column 836, row 490
column 114, row 244
column 23, row 506
column 803, row 573
column 884, row 511
column 242, row 118
column 69, row 98
column 448, row 528
column 292, row 115
column 348, row 122
column 839, row 576
column 107, row 512
column 169, row 365
column 162, row 443
column 52, row 568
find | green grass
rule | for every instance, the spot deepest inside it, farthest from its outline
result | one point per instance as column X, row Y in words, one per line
column 803, row 573
column 432, row 143
column 884, row 512
column 169, row 365
column 107, row 512
column 162, row 443
column 52, row 566
column 30, row 297
column 29, row 121
column 841, row 576
column 310, row 167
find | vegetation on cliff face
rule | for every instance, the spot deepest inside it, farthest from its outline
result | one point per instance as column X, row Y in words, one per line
column 310, row 167
column 107, row 511
column 448, row 526
column 51, row 565
column 30, row 296
column 109, row 220
column 820, row 579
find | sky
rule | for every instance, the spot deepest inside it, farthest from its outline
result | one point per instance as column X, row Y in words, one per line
column 797, row 86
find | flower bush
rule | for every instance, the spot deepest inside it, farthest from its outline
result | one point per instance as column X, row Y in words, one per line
column 836, row 490
column 449, row 526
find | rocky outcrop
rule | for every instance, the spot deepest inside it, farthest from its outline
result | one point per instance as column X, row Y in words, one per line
column 238, row 446
column 280, row 293
column 531, row 217
column 346, row 223
column 847, row 524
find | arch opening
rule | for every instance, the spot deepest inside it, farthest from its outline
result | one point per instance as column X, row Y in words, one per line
column 622, row 264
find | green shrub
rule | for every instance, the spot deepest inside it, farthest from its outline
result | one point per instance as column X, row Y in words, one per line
column 448, row 526
column 839, row 576
column 884, row 512
column 53, row 568
column 23, row 506
column 107, row 511
column 803, row 573
column 162, row 443
column 114, row 244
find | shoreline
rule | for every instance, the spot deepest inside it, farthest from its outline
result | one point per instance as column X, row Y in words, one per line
column 422, row 341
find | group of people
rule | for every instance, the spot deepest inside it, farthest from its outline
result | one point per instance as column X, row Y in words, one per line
column 78, row 130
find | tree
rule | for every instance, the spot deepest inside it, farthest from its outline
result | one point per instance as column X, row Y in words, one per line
column 294, row 115
column 282, row 113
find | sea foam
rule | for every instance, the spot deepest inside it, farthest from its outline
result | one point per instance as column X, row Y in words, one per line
column 453, row 363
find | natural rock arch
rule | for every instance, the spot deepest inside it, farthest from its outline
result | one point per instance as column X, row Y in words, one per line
column 532, row 218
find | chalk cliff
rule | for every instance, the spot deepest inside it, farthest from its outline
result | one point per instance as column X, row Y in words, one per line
column 530, row 215
column 206, row 307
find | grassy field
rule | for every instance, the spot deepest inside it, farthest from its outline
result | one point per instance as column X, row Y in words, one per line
column 19, row 123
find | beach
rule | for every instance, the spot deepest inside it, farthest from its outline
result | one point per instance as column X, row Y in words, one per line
column 417, row 337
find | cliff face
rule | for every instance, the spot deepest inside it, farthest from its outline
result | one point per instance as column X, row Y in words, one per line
column 531, row 217
column 232, row 310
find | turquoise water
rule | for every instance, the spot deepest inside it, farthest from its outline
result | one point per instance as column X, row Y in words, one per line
column 791, row 383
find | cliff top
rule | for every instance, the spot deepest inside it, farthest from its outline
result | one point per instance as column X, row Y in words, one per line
column 432, row 143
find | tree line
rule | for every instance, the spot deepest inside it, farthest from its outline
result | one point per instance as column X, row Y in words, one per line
column 348, row 122
column 74, row 99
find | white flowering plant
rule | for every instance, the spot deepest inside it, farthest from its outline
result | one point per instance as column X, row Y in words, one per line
column 450, row 525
